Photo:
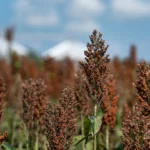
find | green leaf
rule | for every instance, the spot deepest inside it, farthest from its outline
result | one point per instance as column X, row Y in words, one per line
column 89, row 146
column 98, row 123
column 80, row 138
column 91, row 119
column 87, row 128
column 78, row 142
column 7, row 146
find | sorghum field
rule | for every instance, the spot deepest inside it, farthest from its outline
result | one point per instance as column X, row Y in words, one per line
column 102, row 104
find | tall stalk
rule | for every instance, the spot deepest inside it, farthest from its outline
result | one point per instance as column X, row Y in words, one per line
column 27, row 138
column 95, row 137
column 107, row 137
column 36, row 141
column 82, row 131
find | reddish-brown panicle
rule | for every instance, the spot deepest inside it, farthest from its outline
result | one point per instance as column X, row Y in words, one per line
column 109, row 103
column 33, row 102
column 60, row 121
column 96, row 66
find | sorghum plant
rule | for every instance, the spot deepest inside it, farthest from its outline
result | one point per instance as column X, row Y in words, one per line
column 33, row 102
column 109, row 107
column 125, row 73
column 109, row 103
column 84, row 105
column 81, row 94
column 68, row 102
column 2, row 96
column 136, row 127
column 101, row 87
column 95, row 67
column 142, row 85
column 60, row 120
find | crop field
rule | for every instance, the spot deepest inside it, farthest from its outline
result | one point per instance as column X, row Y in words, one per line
column 101, row 104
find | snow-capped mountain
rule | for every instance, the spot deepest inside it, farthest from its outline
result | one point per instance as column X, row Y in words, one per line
column 72, row 49
column 16, row 47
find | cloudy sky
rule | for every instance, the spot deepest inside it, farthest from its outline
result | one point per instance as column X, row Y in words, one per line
column 41, row 24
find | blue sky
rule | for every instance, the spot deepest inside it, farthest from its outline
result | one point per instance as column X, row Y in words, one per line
column 41, row 24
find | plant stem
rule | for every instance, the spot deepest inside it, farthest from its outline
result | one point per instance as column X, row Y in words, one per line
column 27, row 138
column 36, row 141
column 45, row 148
column 82, row 131
column 107, row 137
column 95, row 138
column 31, row 147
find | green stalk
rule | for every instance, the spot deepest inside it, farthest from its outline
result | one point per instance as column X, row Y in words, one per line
column 95, row 137
column 107, row 137
column 82, row 131
column 27, row 138
column 36, row 141
column 45, row 147
column 31, row 147
column 13, row 131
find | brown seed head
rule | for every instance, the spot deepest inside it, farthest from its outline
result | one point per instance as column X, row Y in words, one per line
column 109, row 103
column 34, row 102
column 95, row 67
column 136, row 130
column 60, row 120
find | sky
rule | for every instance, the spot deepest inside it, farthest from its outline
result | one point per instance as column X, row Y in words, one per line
column 41, row 24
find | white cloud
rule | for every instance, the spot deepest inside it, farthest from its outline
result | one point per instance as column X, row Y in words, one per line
column 42, row 36
column 82, row 26
column 72, row 19
column 22, row 4
column 43, row 20
column 131, row 8
column 35, row 13
column 83, row 15
column 86, row 8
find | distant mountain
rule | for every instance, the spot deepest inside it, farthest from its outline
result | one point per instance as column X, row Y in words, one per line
column 72, row 49
column 16, row 47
